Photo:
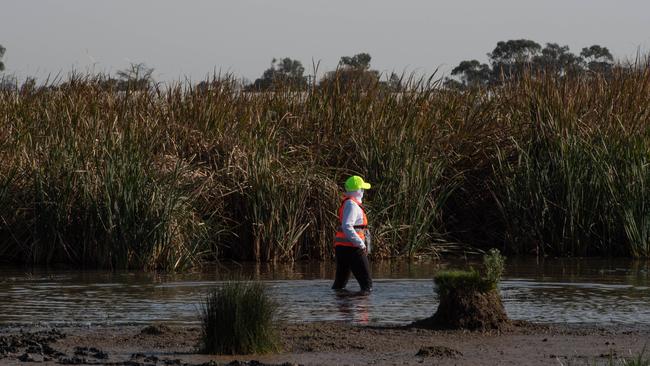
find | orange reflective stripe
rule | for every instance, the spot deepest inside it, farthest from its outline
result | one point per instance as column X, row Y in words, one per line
column 344, row 244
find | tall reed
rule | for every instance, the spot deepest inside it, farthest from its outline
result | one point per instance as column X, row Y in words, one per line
column 176, row 175
column 576, row 183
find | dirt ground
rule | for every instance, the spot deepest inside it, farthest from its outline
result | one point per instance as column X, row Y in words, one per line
column 328, row 343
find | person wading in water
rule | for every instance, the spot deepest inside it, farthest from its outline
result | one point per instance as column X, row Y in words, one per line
column 352, row 241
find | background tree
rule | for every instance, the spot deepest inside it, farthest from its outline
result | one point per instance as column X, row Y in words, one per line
column 359, row 62
column 352, row 72
column 8, row 83
column 557, row 59
column 597, row 59
column 29, row 85
column 473, row 73
column 394, row 83
column 135, row 77
column 509, row 59
column 2, row 53
column 283, row 72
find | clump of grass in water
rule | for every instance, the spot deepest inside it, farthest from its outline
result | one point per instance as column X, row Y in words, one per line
column 473, row 280
column 453, row 280
column 238, row 318
column 469, row 299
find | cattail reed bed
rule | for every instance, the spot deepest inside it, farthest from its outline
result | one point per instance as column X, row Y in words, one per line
column 171, row 177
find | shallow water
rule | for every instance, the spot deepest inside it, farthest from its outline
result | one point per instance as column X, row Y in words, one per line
column 573, row 291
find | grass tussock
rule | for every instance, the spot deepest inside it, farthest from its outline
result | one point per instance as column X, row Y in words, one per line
column 238, row 319
column 453, row 280
column 173, row 176
column 469, row 299
column 472, row 280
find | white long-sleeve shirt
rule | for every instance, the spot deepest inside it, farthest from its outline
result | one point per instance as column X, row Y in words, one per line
column 352, row 215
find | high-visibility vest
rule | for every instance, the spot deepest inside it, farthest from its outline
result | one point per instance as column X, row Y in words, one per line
column 341, row 239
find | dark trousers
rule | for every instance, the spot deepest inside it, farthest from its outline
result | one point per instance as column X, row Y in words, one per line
column 354, row 260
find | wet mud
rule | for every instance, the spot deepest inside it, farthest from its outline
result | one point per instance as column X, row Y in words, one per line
column 47, row 347
column 327, row 343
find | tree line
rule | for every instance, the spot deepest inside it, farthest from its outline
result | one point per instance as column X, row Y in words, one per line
column 511, row 59
column 2, row 53
column 508, row 60
column 351, row 72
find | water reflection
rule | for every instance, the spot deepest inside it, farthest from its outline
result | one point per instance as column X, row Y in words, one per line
column 547, row 291
column 353, row 306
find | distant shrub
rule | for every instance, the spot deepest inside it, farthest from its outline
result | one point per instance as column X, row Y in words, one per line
column 238, row 319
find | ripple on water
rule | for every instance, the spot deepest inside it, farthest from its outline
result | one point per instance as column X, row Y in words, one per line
column 541, row 293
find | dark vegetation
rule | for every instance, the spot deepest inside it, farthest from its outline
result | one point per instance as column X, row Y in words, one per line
column 133, row 174
column 514, row 58
column 238, row 319
column 2, row 53
column 352, row 72
column 283, row 73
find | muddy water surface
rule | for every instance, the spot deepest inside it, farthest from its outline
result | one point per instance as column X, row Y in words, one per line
column 573, row 291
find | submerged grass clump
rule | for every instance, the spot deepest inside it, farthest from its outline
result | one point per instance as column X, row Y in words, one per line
column 170, row 177
column 238, row 319
column 472, row 280
column 453, row 280
column 469, row 299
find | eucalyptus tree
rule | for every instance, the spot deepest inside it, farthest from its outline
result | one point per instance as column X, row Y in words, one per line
column 558, row 60
column 2, row 53
column 512, row 59
column 284, row 72
column 353, row 72
column 137, row 76
column 597, row 59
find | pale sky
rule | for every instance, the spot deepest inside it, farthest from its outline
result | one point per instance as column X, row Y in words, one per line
column 191, row 38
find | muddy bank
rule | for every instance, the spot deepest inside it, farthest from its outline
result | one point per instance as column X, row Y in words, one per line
column 326, row 343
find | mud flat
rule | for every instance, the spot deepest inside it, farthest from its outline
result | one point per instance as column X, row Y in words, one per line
column 327, row 343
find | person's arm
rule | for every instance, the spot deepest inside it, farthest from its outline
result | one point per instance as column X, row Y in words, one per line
column 351, row 212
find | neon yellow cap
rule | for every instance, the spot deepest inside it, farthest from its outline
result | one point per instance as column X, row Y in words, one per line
column 355, row 183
